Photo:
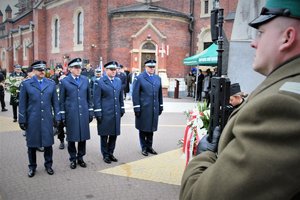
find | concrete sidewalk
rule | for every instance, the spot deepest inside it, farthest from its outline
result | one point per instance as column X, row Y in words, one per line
column 170, row 105
column 133, row 177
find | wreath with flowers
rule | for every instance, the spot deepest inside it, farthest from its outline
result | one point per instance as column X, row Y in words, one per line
column 196, row 128
column 12, row 85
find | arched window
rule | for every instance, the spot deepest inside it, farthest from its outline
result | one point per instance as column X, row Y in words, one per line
column 148, row 46
column 25, row 43
column 56, row 33
column 79, row 28
column 3, row 56
column 3, row 60
column 148, row 51
column 15, row 49
column 78, row 36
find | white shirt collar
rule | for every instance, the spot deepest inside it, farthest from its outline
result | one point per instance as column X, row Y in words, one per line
column 74, row 76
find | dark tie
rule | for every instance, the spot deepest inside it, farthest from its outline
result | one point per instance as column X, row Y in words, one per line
column 151, row 78
column 77, row 80
column 40, row 84
column 112, row 82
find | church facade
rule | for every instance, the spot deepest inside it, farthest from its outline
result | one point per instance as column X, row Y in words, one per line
column 128, row 31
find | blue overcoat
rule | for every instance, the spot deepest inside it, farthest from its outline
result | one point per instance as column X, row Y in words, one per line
column 76, row 106
column 123, row 77
column 108, row 104
column 36, row 105
column 148, row 100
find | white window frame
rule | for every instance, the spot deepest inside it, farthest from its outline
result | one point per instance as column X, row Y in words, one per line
column 25, row 49
column 15, row 53
column 3, row 58
column 76, row 46
column 210, row 7
column 55, row 49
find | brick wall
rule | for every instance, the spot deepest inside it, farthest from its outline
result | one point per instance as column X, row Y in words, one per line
column 112, row 37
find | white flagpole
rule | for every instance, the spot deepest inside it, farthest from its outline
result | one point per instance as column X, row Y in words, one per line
column 101, row 65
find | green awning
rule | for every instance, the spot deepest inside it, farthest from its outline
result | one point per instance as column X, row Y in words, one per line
column 208, row 57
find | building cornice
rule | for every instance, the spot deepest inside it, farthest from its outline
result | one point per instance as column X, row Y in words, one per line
column 55, row 3
column 149, row 16
column 146, row 9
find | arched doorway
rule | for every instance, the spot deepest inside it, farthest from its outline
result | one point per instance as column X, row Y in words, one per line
column 147, row 52
column 204, row 39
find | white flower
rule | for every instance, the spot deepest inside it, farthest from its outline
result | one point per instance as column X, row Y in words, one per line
column 198, row 122
column 206, row 113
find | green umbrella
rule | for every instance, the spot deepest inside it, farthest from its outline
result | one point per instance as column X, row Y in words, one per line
column 208, row 57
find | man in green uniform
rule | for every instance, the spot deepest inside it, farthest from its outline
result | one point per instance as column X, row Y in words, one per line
column 258, row 153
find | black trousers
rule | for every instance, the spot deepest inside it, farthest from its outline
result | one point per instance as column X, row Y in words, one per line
column 108, row 144
column 15, row 111
column 48, row 152
column 207, row 97
column 199, row 93
column 61, row 134
column 81, row 150
column 146, row 139
column 2, row 95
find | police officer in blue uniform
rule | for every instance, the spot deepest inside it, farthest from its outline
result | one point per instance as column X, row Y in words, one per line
column 94, row 79
column 148, row 105
column 76, row 108
column 108, row 109
column 121, row 75
column 38, row 100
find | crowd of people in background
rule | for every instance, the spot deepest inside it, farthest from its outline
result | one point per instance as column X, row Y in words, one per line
column 199, row 87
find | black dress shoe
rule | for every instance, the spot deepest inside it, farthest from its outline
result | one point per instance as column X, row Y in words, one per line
column 61, row 145
column 73, row 165
column 107, row 160
column 50, row 171
column 81, row 163
column 144, row 152
column 15, row 120
column 151, row 150
column 31, row 173
column 112, row 158
column 4, row 109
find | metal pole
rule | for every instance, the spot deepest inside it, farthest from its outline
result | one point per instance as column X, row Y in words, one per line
column 195, row 92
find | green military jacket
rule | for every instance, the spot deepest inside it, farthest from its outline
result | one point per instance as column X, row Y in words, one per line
column 259, row 149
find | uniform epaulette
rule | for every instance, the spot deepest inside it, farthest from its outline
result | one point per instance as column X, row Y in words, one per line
column 26, row 79
column 63, row 77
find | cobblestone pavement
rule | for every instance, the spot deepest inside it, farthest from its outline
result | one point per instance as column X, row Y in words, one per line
column 133, row 177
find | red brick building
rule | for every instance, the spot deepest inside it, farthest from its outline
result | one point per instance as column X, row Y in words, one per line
column 128, row 31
